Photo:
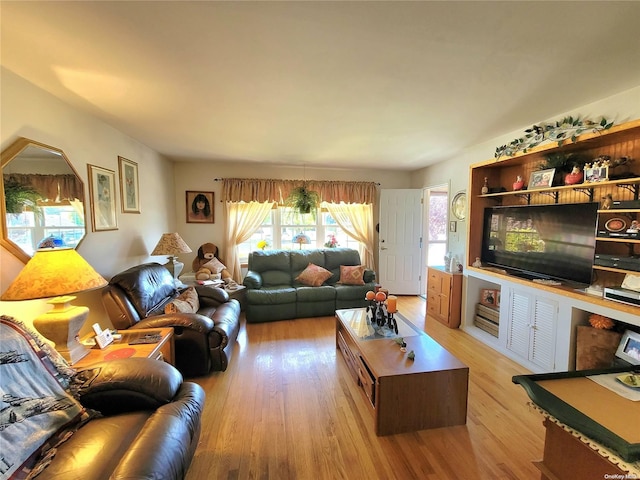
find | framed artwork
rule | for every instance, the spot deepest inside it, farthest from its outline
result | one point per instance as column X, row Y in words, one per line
column 199, row 207
column 129, row 186
column 102, row 196
column 489, row 297
column 541, row 179
column 596, row 174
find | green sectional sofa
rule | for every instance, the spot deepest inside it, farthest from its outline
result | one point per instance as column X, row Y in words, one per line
column 273, row 293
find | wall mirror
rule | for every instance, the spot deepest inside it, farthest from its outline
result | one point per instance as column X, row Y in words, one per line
column 43, row 199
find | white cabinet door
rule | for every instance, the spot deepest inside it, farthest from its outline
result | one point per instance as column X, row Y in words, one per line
column 543, row 339
column 531, row 327
column 519, row 324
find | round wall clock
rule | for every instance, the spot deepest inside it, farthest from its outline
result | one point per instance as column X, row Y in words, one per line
column 459, row 205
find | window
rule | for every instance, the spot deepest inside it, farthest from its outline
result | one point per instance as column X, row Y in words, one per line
column 437, row 227
column 281, row 226
column 28, row 229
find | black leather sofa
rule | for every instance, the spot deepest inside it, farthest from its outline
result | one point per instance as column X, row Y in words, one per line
column 204, row 340
column 273, row 293
column 149, row 425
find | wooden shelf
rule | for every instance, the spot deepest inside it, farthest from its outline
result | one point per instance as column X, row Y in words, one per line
column 586, row 188
column 617, row 240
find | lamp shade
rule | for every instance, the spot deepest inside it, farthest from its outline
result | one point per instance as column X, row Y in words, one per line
column 51, row 273
column 171, row 244
column 302, row 239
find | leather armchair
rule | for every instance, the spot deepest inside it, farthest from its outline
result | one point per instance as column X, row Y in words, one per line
column 149, row 427
column 204, row 340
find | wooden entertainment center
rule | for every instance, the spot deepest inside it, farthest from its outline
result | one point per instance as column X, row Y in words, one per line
column 537, row 326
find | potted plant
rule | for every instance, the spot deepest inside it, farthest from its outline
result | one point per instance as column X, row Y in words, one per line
column 19, row 196
column 303, row 201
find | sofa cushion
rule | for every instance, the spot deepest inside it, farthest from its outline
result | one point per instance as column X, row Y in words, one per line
column 323, row 293
column 313, row 275
column 271, row 296
column 186, row 302
column 351, row 275
column 38, row 412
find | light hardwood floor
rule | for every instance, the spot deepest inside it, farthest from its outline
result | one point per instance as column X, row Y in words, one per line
column 286, row 408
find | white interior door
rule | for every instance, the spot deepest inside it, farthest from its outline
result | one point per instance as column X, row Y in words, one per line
column 400, row 241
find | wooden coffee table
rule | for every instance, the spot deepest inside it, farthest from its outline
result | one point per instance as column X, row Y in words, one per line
column 405, row 395
column 163, row 350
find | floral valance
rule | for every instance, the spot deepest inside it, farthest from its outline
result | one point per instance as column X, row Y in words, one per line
column 50, row 187
column 271, row 190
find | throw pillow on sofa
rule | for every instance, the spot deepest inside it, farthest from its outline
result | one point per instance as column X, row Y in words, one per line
column 186, row 302
column 313, row 275
column 352, row 275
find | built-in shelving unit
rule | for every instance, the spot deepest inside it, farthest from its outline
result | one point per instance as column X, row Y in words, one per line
column 556, row 310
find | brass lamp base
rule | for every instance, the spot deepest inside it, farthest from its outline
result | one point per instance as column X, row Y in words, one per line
column 61, row 325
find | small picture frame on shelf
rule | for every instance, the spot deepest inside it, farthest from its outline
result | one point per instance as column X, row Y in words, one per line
column 489, row 297
column 596, row 174
column 541, row 179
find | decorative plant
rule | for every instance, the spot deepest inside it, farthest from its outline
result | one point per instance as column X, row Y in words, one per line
column 303, row 201
column 562, row 162
column 262, row 244
column 566, row 129
column 19, row 196
column 601, row 322
column 332, row 242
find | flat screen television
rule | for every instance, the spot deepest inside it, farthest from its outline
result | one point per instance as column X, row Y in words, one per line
column 554, row 242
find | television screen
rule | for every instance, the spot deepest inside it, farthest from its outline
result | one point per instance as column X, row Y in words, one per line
column 542, row 241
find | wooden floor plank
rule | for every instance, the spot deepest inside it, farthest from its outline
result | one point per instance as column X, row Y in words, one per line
column 287, row 408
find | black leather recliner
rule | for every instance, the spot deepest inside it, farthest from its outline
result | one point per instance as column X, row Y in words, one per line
column 204, row 340
column 149, row 428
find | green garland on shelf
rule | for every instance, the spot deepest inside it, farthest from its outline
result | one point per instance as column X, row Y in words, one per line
column 566, row 129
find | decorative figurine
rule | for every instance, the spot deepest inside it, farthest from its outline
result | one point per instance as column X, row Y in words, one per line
column 485, row 187
column 477, row 263
column 634, row 227
column 411, row 355
column 576, row 176
column 607, row 201
column 518, row 184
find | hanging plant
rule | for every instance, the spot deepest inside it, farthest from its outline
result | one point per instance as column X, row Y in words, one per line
column 19, row 196
column 303, row 201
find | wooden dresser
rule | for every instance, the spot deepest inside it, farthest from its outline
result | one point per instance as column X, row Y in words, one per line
column 444, row 296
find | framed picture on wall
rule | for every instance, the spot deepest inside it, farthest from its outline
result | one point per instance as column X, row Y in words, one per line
column 129, row 187
column 102, row 198
column 199, row 207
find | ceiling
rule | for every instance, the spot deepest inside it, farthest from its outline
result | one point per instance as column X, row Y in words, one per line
column 326, row 84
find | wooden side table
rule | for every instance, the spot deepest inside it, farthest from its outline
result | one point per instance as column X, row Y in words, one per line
column 163, row 350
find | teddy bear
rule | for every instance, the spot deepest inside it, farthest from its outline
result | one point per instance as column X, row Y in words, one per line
column 207, row 264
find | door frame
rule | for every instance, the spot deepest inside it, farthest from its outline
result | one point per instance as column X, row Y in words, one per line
column 426, row 191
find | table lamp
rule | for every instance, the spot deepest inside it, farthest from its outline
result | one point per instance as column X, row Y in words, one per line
column 172, row 244
column 57, row 272
column 302, row 239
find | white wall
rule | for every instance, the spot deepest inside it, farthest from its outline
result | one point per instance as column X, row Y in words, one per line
column 621, row 108
column 199, row 176
column 28, row 111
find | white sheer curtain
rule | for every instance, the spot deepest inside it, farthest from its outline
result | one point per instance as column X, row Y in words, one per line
column 356, row 220
column 243, row 219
